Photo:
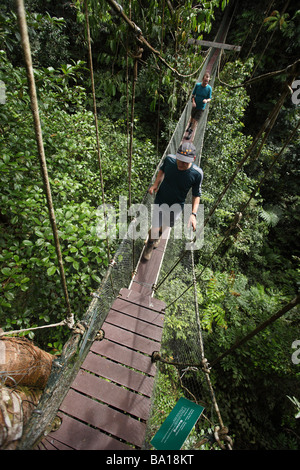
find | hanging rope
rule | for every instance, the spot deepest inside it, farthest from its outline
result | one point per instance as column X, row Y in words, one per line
column 259, row 29
column 204, row 366
column 96, row 118
column 142, row 40
column 264, row 131
column 38, row 133
column 127, row 87
column 136, row 57
column 239, row 214
column 292, row 69
column 97, row 133
column 261, row 327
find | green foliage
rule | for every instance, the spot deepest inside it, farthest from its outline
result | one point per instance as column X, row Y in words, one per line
column 275, row 20
column 211, row 308
column 31, row 287
column 248, row 280
column 253, row 274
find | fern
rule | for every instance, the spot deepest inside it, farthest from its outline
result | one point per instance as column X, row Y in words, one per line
column 212, row 310
column 271, row 215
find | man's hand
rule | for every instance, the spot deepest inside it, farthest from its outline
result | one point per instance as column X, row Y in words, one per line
column 153, row 188
column 192, row 222
column 159, row 178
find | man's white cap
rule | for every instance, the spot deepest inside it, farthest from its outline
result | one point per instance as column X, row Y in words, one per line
column 186, row 152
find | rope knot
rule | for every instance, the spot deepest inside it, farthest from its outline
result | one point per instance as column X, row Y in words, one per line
column 155, row 356
column 220, row 434
column 205, row 366
column 79, row 328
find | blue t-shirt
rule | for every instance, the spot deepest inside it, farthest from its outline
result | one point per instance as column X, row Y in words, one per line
column 177, row 183
column 201, row 93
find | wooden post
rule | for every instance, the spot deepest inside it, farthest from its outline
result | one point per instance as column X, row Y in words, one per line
column 217, row 45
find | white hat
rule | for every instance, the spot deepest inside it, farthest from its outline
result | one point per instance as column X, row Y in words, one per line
column 186, row 153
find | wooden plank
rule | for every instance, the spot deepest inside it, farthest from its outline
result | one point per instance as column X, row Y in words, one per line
column 139, row 311
column 192, row 136
column 109, row 401
column 112, row 394
column 123, row 355
column 135, row 325
column 218, row 45
column 119, row 374
column 147, row 271
column 49, row 443
column 79, row 436
column 129, row 339
column 144, row 300
column 104, row 418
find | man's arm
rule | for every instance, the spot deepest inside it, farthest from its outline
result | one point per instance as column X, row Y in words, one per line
column 207, row 100
column 195, row 205
column 159, row 178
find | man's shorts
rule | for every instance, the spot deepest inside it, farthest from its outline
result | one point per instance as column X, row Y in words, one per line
column 197, row 113
column 164, row 215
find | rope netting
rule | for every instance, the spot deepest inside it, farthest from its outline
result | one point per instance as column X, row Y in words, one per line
column 186, row 358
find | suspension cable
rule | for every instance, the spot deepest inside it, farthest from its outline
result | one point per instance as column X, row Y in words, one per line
column 141, row 39
column 206, row 366
column 289, row 69
column 97, row 133
column 266, row 128
column 259, row 328
column 41, row 152
column 239, row 213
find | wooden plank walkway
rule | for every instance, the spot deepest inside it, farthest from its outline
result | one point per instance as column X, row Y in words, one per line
column 147, row 272
column 108, row 404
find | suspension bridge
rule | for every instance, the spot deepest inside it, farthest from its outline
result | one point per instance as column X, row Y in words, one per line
column 99, row 394
column 108, row 403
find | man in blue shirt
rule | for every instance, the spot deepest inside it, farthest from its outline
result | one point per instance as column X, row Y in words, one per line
column 176, row 176
column 200, row 97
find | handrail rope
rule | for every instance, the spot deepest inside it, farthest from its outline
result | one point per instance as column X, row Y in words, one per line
column 97, row 130
column 141, row 39
column 293, row 303
column 269, row 122
column 13, row 332
column 41, row 152
column 239, row 213
column 204, row 365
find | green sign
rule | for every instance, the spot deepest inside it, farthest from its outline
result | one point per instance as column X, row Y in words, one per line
column 177, row 426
